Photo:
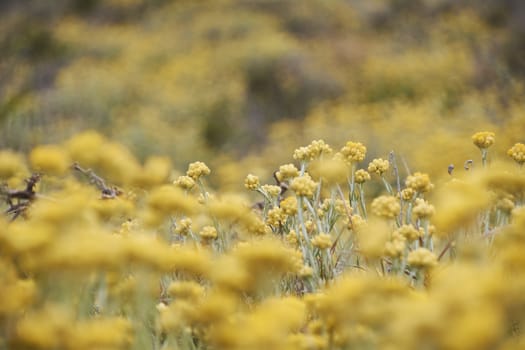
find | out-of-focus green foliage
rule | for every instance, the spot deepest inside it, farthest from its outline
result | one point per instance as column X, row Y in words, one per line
column 218, row 80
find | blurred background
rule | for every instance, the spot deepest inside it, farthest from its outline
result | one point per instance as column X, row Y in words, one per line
column 241, row 83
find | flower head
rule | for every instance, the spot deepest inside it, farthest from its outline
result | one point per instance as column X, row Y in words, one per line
column 378, row 166
column 517, row 152
column 197, row 169
column 354, row 151
column 484, row 139
column 251, row 182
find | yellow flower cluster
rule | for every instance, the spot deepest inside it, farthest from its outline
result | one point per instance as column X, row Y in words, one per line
column 287, row 171
column 303, row 186
column 378, row 166
column 419, row 182
column 517, row 152
column 313, row 151
column 361, row 176
column 422, row 209
column 353, row 152
column 386, row 206
column 197, row 170
column 422, row 258
column 251, row 182
column 185, row 182
column 483, row 139
column 322, row 241
column 409, row 232
column 289, row 206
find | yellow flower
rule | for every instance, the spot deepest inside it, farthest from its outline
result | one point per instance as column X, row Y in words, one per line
column 184, row 226
column 517, row 152
column 396, row 246
column 409, row 232
column 386, row 206
column 407, row 194
column 251, row 182
column 303, row 186
column 361, row 176
column 422, row 209
column 378, row 166
column 197, row 169
column 289, row 206
column 322, row 241
column 271, row 190
column 49, row 159
column 353, row 151
column 185, row 182
column 313, row 151
column 422, row 258
column 276, row 217
column 287, row 171
column 11, row 164
column 419, row 182
column 208, row 232
column 483, row 139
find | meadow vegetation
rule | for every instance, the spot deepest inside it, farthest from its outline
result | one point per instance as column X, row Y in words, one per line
column 262, row 175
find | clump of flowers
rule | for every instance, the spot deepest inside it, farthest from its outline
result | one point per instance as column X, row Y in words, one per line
column 197, row 170
column 517, row 152
column 378, row 166
column 287, row 171
column 353, row 152
column 313, row 151
column 483, row 139
column 422, row 258
column 322, row 241
column 185, row 182
column 419, row 182
column 251, row 182
column 361, row 176
column 303, row 186
column 422, row 209
column 386, row 206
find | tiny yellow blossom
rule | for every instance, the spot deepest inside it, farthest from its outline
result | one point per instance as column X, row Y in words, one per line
column 185, row 182
column 322, row 241
column 422, row 258
column 197, row 169
column 407, row 194
column 517, row 152
column 361, row 176
column 409, row 232
column 386, row 206
column 251, row 182
column 303, row 186
column 208, row 232
column 419, row 182
column 271, row 190
column 483, row 139
column 184, row 226
column 289, row 206
column 276, row 217
column 378, row 166
column 422, row 209
column 287, row 171
column 353, row 151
